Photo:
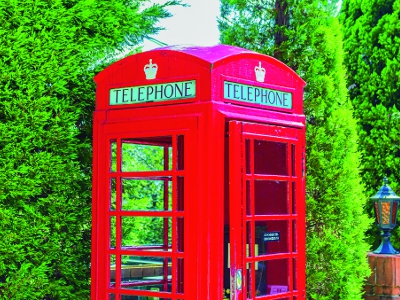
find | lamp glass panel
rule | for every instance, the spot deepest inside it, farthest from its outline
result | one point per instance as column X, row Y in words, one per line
column 394, row 213
column 385, row 212
column 378, row 219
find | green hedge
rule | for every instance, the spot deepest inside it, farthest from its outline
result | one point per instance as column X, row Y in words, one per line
column 372, row 42
column 50, row 51
column 306, row 36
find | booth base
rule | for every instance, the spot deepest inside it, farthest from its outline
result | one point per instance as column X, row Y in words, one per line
column 384, row 282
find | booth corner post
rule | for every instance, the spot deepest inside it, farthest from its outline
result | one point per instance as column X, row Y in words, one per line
column 386, row 204
column 198, row 177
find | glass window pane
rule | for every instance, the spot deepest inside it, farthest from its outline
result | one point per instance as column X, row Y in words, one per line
column 112, row 271
column 271, row 197
column 146, row 233
column 293, row 160
column 113, row 156
column 294, row 236
column 294, row 275
column 294, row 199
column 248, row 157
column 131, row 297
column 180, row 194
column 268, row 280
column 113, row 193
column 270, row 158
column 180, row 234
column 180, row 161
column 113, row 230
column 272, row 236
column 248, row 197
column 251, row 282
column 147, row 194
column 146, row 273
column 111, row 296
column 146, row 154
column 181, row 276
column 249, row 241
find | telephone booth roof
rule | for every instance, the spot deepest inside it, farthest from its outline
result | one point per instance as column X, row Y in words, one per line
column 215, row 72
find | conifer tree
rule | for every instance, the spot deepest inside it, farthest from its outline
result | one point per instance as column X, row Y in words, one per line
column 372, row 42
column 50, row 52
column 306, row 36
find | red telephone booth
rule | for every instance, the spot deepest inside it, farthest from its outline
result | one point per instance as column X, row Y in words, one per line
column 198, row 177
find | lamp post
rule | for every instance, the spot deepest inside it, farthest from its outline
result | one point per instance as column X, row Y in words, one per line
column 386, row 204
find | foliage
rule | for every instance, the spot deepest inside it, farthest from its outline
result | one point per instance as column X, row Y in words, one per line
column 50, row 51
column 306, row 36
column 372, row 42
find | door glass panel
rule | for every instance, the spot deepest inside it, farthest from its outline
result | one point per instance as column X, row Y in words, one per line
column 294, row 206
column 180, row 203
column 113, row 156
column 248, row 157
column 294, row 236
column 250, row 280
column 146, row 273
column 113, row 193
column 146, row 233
column 146, row 209
column 180, row 162
column 249, row 203
column 154, row 194
column 112, row 271
column 270, row 158
column 268, row 280
column 181, row 275
column 179, row 234
column 111, row 296
column 294, row 275
column 131, row 297
column 113, row 230
column 271, row 197
column 293, row 160
column 249, row 241
column 260, row 279
column 273, row 236
column 146, row 154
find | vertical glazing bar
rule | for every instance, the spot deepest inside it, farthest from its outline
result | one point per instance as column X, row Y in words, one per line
column 118, row 262
column 118, row 193
column 250, row 232
column 236, row 190
column 166, row 228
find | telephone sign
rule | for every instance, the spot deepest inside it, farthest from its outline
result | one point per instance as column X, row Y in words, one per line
column 156, row 92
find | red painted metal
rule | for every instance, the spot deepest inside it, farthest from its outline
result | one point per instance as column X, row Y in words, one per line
column 215, row 201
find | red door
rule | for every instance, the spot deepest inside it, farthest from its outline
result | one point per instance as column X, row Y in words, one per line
column 267, row 237
column 142, row 209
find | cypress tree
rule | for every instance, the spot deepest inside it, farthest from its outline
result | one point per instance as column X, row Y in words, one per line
column 372, row 42
column 50, row 52
column 306, row 36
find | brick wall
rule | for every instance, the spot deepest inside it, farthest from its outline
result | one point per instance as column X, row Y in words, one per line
column 384, row 282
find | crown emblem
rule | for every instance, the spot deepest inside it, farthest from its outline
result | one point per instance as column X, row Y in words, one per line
column 150, row 70
column 260, row 73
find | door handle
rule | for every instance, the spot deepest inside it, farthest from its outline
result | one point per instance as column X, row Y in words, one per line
column 239, row 279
